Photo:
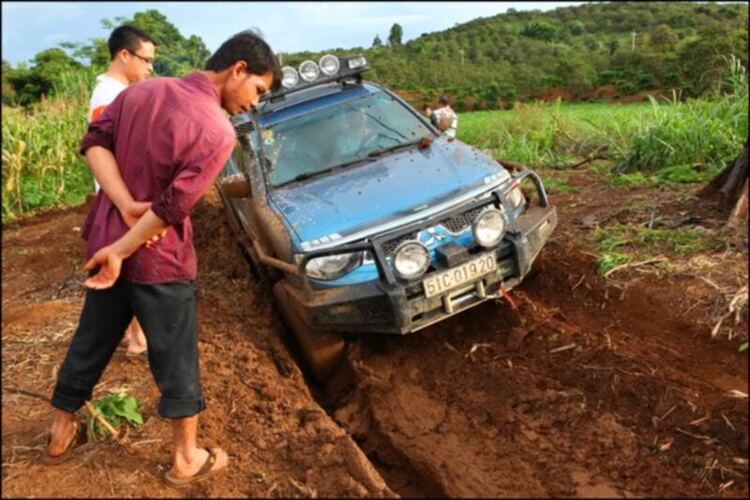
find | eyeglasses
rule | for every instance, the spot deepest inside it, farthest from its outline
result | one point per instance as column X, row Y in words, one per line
column 147, row 60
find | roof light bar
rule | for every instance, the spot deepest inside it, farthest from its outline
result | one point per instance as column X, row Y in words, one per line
column 329, row 69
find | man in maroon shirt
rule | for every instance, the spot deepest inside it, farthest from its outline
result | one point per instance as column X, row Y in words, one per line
column 164, row 141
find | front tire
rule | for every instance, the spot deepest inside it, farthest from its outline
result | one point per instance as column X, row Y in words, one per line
column 323, row 350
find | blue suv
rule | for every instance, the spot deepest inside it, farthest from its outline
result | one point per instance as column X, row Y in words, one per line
column 364, row 218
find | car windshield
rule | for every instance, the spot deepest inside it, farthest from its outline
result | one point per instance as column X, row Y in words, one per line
column 337, row 136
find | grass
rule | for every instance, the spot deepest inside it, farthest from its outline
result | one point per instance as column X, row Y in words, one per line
column 679, row 241
column 696, row 138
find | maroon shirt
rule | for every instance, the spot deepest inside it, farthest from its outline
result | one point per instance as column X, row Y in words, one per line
column 171, row 138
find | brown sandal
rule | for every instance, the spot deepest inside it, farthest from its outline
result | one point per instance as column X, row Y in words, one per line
column 205, row 470
column 48, row 459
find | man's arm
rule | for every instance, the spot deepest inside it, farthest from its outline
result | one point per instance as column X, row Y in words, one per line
column 110, row 258
column 107, row 173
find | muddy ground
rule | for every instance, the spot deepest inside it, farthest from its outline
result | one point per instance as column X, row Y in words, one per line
column 583, row 387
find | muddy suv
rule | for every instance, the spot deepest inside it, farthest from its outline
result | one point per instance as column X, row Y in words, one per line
column 364, row 218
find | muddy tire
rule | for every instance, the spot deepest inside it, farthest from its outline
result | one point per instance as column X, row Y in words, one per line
column 323, row 351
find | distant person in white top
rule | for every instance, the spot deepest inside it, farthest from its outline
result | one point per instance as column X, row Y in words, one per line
column 444, row 118
column 132, row 61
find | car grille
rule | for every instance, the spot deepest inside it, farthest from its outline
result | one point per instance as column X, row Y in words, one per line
column 390, row 246
column 455, row 225
column 460, row 222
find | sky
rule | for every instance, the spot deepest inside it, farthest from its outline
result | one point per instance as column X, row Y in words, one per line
column 30, row 27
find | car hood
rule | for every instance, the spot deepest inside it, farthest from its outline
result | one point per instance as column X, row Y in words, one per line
column 371, row 194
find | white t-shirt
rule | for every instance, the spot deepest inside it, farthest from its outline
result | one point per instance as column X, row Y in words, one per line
column 105, row 91
column 447, row 111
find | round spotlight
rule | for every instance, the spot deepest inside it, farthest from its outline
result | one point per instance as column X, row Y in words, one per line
column 309, row 71
column 411, row 259
column 329, row 64
column 289, row 77
column 489, row 228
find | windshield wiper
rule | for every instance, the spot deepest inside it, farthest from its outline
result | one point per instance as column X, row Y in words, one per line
column 309, row 175
column 393, row 148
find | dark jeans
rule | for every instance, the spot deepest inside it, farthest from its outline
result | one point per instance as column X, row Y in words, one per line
column 167, row 313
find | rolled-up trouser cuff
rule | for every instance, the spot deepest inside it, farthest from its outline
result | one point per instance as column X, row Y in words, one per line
column 180, row 408
column 69, row 399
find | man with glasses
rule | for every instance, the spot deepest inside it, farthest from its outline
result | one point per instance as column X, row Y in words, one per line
column 132, row 61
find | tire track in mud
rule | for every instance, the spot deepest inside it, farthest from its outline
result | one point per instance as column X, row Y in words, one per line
column 486, row 403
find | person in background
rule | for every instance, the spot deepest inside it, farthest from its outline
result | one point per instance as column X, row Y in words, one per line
column 131, row 54
column 164, row 140
column 444, row 118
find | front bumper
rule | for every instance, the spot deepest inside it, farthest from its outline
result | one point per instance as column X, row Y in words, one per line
column 392, row 306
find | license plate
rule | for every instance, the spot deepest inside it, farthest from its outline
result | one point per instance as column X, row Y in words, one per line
column 452, row 278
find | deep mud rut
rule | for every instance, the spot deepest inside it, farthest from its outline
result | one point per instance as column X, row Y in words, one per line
column 586, row 388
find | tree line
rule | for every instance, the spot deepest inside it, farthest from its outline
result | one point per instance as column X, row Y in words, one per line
column 487, row 63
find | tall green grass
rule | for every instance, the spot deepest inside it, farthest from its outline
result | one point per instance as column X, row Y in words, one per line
column 41, row 164
column 634, row 137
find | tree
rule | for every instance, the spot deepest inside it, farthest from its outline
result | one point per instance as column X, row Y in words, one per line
column 9, row 94
column 663, row 38
column 541, row 30
column 394, row 39
column 377, row 42
column 612, row 45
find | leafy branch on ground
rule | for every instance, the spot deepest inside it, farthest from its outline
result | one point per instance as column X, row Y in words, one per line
column 117, row 409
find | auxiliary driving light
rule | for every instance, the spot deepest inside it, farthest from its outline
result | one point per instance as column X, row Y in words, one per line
column 309, row 71
column 289, row 77
column 329, row 64
column 489, row 228
column 410, row 260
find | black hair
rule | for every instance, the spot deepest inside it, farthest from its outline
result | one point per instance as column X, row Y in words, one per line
column 443, row 99
column 247, row 46
column 126, row 37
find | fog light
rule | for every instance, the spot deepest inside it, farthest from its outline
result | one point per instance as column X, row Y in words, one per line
column 410, row 260
column 489, row 228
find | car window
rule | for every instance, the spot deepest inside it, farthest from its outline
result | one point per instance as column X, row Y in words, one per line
column 337, row 135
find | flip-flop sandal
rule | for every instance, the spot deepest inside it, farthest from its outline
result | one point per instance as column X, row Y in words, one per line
column 48, row 459
column 203, row 472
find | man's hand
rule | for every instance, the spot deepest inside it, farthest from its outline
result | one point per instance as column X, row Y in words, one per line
column 135, row 211
column 110, row 264
column 428, row 111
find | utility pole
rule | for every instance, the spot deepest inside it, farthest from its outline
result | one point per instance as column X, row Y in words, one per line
column 281, row 59
column 633, row 45
column 461, row 51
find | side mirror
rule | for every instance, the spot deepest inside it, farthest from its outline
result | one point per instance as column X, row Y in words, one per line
column 236, row 185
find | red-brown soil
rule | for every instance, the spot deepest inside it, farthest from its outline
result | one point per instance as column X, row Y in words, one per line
column 591, row 387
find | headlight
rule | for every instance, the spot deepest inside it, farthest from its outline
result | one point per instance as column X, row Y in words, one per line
column 309, row 71
column 329, row 64
column 515, row 196
column 290, row 77
column 411, row 259
column 331, row 267
column 489, row 227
